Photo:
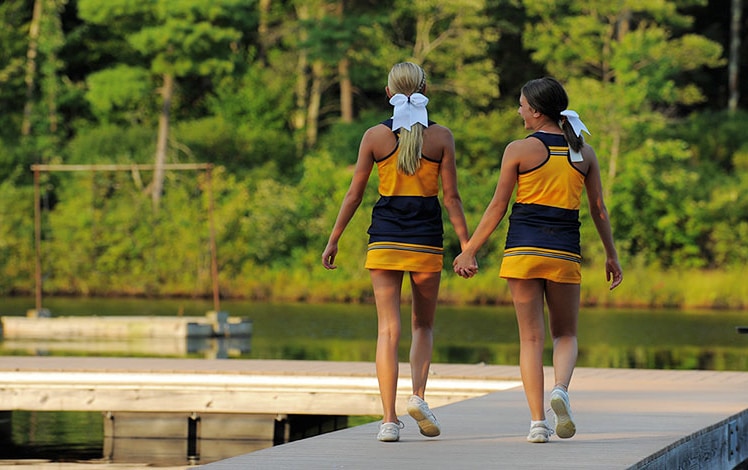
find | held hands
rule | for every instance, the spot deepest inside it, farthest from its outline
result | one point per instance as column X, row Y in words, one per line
column 465, row 266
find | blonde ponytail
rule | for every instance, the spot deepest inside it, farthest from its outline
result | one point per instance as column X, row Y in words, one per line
column 411, row 145
column 408, row 78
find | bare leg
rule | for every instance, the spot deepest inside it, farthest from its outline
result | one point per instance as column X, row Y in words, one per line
column 425, row 287
column 387, row 288
column 527, row 295
column 563, row 313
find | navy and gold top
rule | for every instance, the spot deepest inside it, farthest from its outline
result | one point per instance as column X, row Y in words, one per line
column 543, row 237
column 406, row 232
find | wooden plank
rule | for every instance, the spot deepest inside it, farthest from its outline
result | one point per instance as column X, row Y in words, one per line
column 218, row 393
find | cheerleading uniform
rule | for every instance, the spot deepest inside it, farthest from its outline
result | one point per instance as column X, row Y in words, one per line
column 543, row 237
column 406, row 232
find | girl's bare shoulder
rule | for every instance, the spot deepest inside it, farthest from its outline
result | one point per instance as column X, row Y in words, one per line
column 438, row 131
column 527, row 145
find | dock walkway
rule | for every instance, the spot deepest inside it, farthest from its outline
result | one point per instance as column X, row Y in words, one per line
column 626, row 419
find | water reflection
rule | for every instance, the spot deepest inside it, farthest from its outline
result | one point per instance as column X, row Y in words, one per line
column 206, row 348
column 652, row 339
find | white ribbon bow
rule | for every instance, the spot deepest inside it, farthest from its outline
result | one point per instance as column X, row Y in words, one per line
column 578, row 127
column 575, row 122
column 409, row 110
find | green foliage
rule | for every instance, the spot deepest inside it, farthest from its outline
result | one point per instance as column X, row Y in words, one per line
column 341, row 140
column 718, row 148
column 16, row 241
column 331, row 37
column 248, row 127
column 480, row 138
column 450, row 39
column 181, row 39
column 270, row 222
column 726, row 214
column 256, row 98
column 123, row 89
column 627, row 43
column 320, row 179
column 108, row 239
column 716, row 137
column 655, row 216
column 236, row 146
column 112, row 144
column 247, row 81
column 213, row 139
column 13, row 48
column 12, row 159
column 184, row 48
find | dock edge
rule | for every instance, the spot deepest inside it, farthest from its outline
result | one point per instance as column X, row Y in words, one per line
column 725, row 442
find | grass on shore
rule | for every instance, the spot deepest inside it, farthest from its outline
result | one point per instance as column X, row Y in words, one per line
column 642, row 287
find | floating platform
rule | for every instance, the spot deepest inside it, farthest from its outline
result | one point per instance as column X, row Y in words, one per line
column 41, row 325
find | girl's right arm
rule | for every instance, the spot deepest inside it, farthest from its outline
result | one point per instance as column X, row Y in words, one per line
column 450, row 193
column 352, row 199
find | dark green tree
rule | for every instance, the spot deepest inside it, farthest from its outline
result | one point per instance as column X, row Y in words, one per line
column 176, row 40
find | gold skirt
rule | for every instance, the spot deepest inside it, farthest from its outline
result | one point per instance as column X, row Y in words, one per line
column 404, row 257
column 538, row 263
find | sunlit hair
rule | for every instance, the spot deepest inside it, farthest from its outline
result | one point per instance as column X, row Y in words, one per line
column 408, row 78
column 547, row 96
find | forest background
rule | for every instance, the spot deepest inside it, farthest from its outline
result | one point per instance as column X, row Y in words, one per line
column 276, row 96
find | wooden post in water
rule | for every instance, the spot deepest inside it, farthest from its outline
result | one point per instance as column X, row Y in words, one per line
column 213, row 248
column 37, row 240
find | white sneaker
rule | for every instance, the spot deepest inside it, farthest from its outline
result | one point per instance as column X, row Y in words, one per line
column 539, row 433
column 420, row 411
column 390, row 432
column 565, row 427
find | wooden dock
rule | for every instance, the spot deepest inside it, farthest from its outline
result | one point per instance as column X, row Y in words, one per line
column 224, row 386
column 626, row 418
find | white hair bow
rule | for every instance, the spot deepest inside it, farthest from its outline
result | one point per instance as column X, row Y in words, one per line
column 578, row 127
column 409, row 110
column 575, row 122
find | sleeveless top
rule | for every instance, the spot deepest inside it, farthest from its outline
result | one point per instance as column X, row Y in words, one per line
column 406, row 228
column 543, row 236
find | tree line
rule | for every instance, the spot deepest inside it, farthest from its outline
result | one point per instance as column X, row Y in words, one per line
column 276, row 95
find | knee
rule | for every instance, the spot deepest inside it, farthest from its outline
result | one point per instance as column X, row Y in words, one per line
column 564, row 337
column 534, row 340
column 390, row 331
column 422, row 324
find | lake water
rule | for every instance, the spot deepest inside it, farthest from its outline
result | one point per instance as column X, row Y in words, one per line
column 652, row 339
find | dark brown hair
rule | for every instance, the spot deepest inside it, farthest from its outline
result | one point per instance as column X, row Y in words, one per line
column 546, row 95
